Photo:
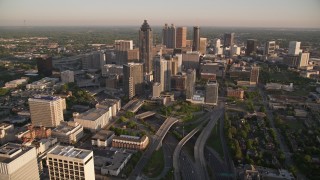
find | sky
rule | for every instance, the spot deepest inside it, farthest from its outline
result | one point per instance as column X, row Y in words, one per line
column 217, row 13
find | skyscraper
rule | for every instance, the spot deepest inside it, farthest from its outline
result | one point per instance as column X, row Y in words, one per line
column 254, row 75
column 46, row 110
column 191, row 80
column 228, row 39
column 211, row 96
column 196, row 38
column 145, row 47
column 44, row 66
column 169, row 36
column 270, row 48
column 133, row 79
column 123, row 45
column 294, row 48
column 181, row 37
column 203, row 45
column 17, row 162
column 251, row 46
column 67, row 162
column 163, row 73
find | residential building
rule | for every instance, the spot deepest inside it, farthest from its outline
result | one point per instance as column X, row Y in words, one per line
column 270, row 48
column 294, row 48
column 237, row 93
column 67, row 76
column 145, row 46
column 102, row 138
column 169, row 36
column 133, row 79
column 18, row 162
column 211, row 96
column 196, row 38
column 46, row 110
column 130, row 142
column 68, row 162
column 191, row 80
column 94, row 119
column 181, row 37
column 68, row 132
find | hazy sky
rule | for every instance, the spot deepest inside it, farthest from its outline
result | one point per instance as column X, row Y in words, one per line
column 238, row 13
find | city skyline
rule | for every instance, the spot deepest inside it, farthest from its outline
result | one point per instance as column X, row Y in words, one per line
column 248, row 13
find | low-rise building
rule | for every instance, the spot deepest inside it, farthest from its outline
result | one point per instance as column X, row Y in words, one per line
column 93, row 119
column 6, row 132
column 16, row 83
column 43, row 83
column 237, row 93
column 102, row 138
column 42, row 145
column 68, row 132
column 114, row 105
column 130, row 142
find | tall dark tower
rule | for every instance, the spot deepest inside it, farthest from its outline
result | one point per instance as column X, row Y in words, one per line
column 145, row 47
column 44, row 66
column 196, row 38
column 228, row 39
column 169, row 36
column 251, row 46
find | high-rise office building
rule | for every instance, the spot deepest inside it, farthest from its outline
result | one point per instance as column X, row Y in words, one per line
column 270, row 48
column 67, row 162
column 191, row 80
column 196, row 38
column 44, row 66
column 133, row 79
column 145, row 46
column 254, row 75
column 203, row 45
column 211, row 96
column 123, row 45
column 294, row 48
column 163, row 73
column 169, row 36
column 17, row 162
column 228, row 39
column 217, row 47
column 176, row 64
column 251, row 46
column 181, row 40
column 46, row 110
column 67, row 76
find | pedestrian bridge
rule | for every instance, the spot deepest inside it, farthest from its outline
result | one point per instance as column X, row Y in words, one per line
column 145, row 115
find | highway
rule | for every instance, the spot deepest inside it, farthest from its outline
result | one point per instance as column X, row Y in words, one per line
column 200, row 144
column 155, row 143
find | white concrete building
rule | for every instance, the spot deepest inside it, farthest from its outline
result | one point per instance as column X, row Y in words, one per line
column 68, row 132
column 16, row 83
column 43, row 83
column 46, row 110
column 93, row 119
column 102, row 138
column 114, row 105
column 18, row 162
column 67, row 76
column 67, row 162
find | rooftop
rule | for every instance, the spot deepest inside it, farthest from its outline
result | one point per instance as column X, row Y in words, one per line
column 12, row 151
column 110, row 159
column 92, row 114
column 70, row 151
column 103, row 135
column 46, row 98
column 66, row 127
column 130, row 138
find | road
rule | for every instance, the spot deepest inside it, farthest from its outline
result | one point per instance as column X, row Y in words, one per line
column 155, row 143
column 201, row 141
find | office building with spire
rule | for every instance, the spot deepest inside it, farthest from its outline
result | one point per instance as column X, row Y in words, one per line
column 169, row 36
column 145, row 47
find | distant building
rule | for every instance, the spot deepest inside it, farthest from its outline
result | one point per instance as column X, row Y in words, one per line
column 156, row 90
column 228, row 39
column 163, row 73
column 270, row 48
column 294, row 48
column 251, row 46
column 189, row 43
column 16, row 83
column 133, row 79
column 123, row 45
column 46, row 110
column 6, row 132
column 169, row 36
column 203, row 45
column 44, row 66
column 211, row 96
column 235, row 50
column 191, row 80
column 130, row 142
column 102, row 138
column 181, row 37
column 237, row 93
column 178, row 82
column 176, row 64
column 18, row 162
column 67, row 76
column 93, row 119
column 68, row 132
column 254, row 75
column 67, row 162
column 145, row 46
column 196, row 38
column 210, row 70
column 114, row 105
column 43, row 83
column 190, row 60
column 112, row 69
column 298, row 61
